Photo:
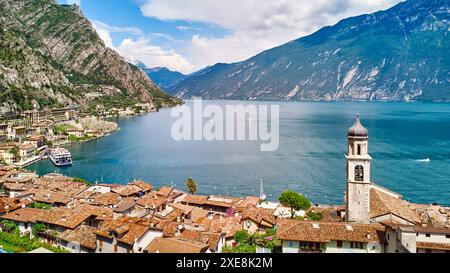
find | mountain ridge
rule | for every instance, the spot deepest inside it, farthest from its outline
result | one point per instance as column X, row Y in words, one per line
column 163, row 77
column 398, row 54
column 51, row 56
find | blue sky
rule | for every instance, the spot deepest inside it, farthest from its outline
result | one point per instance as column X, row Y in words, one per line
column 187, row 35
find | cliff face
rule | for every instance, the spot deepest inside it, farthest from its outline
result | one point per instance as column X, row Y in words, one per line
column 50, row 54
column 400, row 54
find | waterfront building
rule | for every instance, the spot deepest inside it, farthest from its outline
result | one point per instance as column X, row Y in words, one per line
column 26, row 151
column 17, row 132
column 75, row 132
column 35, row 116
column 36, row 140
column 61, row 114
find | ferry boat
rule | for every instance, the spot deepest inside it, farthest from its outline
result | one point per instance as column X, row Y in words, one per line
column 60, row 157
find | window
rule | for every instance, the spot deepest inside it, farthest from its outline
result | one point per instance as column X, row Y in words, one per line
column 339, row 244
column 447, row 236
column 359, row 173
column 115, row 248
column 357, row 245
column 359, row 149
column 428, row 235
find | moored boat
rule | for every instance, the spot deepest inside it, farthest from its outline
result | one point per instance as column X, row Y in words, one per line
column 61, row 157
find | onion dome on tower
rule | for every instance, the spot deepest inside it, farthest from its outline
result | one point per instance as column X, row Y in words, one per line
column 358, row 130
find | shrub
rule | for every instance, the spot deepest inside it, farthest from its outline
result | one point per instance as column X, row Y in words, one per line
column 314, row 216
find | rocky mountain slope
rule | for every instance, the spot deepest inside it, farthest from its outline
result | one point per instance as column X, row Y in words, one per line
column 400, row 54
column 50, row 55
column 162, row 76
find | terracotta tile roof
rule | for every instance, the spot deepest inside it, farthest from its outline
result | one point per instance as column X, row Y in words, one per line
column 218, row 201
column 174, row 215
column 125, row 205
column 432, row 246
column 194, row 199
column 107, row 199
column 9, row 204
column 186, row 209
column 99, row 212
column 151, row 200
column 227, row 225
column 87, row 195
column 126, row 229
column 170, row 228
column 135, row 232
column 323, row 232
column 16, row 186
column 434, row 230
column 197, row 214
column 108, row 226
column 212, row 239
column 260, row 216
column 382, row 204
column 144, row 186
column 176, row 245
column 249, row 201
column 127, row 190
column 26, row 215
column 165, row 191
column 50, row 197
column 67, row 218
column 83, row 235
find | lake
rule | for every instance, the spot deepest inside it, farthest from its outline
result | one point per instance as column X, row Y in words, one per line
column 310, row 158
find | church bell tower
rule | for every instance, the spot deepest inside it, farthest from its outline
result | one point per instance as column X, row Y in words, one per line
column 358, row 174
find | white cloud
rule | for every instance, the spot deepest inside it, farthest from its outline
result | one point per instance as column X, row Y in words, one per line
column 72, row 2
column 138, row 47
column 254, row 25
column 153, row 56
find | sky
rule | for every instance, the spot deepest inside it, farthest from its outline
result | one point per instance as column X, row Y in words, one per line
column 188, row 35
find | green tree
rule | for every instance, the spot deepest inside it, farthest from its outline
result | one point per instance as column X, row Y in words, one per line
column 81, row 180
column 314, row 216
column 43, row 206
column 191, row 185
column 38, row 228
column 241, row 236
column 9, row 226
column 295, row 201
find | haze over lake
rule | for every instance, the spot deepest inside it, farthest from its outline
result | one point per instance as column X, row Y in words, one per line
column 310, row 158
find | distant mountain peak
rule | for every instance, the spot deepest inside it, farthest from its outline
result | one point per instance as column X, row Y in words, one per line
column 398, row 54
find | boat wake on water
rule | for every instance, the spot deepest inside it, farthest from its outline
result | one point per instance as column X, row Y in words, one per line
column 426, row 160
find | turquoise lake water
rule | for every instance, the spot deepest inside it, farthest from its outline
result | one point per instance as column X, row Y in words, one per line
column 310, row 158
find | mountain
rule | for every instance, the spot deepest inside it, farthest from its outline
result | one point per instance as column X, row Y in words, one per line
column 50, row 55
column 162, row 76
column 400, row 54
